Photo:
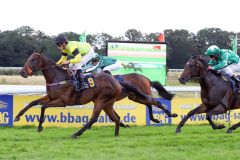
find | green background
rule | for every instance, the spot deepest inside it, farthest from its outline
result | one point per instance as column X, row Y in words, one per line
column 154, row 68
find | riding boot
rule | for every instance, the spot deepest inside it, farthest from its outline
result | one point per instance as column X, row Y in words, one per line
column 236, row 83
column 80, row 78
column 235, row 78
column 108, row 72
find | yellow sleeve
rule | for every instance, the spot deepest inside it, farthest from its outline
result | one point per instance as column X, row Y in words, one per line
column 62, row 59
column 76, row 59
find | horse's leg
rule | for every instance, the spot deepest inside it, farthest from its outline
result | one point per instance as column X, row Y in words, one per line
column 112, row 114
column 215, row 111
column 151, row 101
column 233, row 127
column 33, row 103
column 165, row 110
column 96, row 111
column 198, row 110
column 55, row 103
column 151, row 114
column 121, row 124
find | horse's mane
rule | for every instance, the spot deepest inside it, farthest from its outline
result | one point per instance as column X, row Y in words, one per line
column 52, row 62
column 204, row 61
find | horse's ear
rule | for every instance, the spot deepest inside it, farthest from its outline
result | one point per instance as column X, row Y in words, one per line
column 41, row 51
column 30, row 52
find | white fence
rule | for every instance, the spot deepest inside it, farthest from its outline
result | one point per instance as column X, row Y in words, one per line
column 40, row 89
column 18, row 68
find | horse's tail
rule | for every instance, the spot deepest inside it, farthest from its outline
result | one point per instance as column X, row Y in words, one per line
column 131, row 88
column 161, row 90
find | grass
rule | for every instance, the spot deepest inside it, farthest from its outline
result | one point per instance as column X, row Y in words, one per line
column 135, row 143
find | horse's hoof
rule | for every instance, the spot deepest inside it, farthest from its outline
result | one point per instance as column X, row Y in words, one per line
column 16, row 119
column 178, row 130
column 156, row 120
column 40, row 129
column 127, row 126
column 229, row 131
column 221, row 126
column 74, row 136
column 174, row 115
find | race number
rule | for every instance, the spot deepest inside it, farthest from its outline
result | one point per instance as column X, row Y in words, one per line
column 91, row 82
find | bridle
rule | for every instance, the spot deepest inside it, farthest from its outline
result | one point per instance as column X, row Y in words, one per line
column 30, row 70
column 30, row 73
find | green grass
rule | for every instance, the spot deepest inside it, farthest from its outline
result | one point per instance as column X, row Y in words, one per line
column 135, row 143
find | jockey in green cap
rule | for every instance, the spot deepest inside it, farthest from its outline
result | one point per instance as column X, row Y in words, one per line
column 223, row 60
column 102, row 63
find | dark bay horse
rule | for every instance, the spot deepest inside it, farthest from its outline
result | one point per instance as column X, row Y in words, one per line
column 216, row 94
column 61, row 92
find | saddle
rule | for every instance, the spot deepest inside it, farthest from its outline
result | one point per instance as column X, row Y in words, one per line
column 235, row 82
column 89, row 82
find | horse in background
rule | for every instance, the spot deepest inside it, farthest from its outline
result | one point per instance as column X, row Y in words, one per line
column 144, row 85
column 216, row 94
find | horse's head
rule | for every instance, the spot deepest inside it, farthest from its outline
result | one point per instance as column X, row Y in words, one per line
column 193, row 68
column 33, row 64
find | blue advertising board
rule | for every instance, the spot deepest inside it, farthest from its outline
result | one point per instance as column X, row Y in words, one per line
column 6, row 110
column 159, row 114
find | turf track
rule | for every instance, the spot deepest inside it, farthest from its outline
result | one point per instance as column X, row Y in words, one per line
column 135, row 143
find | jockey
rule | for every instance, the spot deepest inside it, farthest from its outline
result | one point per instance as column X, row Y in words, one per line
column 223, row 60
column 80, row 51
column 104, row 63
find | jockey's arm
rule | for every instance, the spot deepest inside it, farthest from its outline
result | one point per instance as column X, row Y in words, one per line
column 221, row 64
column 62, row 59
column 91, row 69
column 211, row 63
column 77, row 57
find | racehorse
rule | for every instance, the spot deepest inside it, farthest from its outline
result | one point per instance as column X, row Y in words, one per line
column 216, row 94
column 144, row 85
column 61, row 92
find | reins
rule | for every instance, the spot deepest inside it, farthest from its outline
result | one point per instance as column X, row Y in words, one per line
column 30, row 72
column 60, row 82
column 49, row 67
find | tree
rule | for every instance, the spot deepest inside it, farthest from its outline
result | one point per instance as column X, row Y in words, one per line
column 134, row 35
column 181, row 46
column 152, row 37
column 213, row 36
column 100, row 42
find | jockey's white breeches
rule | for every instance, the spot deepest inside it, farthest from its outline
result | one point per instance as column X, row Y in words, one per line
column 84, row 60
column 230, row 69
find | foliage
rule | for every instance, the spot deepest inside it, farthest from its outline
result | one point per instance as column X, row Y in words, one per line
column 134, row 35
column 181, row 47
column 17, row 45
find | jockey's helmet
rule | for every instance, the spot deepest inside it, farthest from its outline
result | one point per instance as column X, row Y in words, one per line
column 95, row 59
column 212, row 50
column 61, row 39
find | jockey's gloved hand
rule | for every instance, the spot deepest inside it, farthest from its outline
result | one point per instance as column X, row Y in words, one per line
column 210, row 68
column 65, row 62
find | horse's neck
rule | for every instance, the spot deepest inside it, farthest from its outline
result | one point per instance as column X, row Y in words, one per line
column 208, row 80
column 53, row 73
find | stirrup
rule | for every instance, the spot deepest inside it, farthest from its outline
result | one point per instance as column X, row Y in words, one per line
column 81, row 86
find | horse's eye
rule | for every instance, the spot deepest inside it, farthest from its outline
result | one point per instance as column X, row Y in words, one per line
column 34, row 60
column 191, row 65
